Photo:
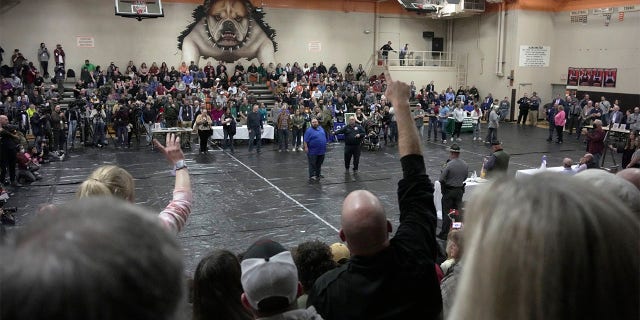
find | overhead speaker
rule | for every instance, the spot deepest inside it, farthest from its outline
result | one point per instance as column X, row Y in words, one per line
column 428, row 34
column 437, row 44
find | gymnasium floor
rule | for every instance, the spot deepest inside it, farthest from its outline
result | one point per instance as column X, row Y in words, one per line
column 243, row 197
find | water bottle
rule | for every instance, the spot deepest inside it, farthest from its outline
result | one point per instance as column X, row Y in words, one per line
column 543, row 164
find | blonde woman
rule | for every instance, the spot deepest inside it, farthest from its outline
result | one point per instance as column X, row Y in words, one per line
column 203, row 124
column 452, row 269
column 117, row 182
column 548, row 247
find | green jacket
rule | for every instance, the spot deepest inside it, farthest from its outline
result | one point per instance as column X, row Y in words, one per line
column 500, row 162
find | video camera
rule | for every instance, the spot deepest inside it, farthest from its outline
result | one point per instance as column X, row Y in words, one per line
column 6, row 214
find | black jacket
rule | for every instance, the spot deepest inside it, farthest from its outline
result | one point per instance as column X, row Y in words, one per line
column 350, row 134
column 253, row 120
column 399, row 282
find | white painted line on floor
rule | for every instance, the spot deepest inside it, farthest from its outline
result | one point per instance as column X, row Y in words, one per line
column 285, row 194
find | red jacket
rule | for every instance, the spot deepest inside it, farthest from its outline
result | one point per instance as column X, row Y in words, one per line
column 595, row 140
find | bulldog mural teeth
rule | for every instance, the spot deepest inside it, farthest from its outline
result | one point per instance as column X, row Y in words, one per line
column 227, row 30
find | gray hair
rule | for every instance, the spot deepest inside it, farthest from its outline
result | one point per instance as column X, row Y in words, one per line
column 97, row 258
column 548, row 247
column 613, row 186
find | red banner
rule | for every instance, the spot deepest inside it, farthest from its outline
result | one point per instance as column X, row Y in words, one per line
column 592, row 77
column 610, row 76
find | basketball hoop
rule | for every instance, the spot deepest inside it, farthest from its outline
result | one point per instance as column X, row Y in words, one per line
column 139, row 9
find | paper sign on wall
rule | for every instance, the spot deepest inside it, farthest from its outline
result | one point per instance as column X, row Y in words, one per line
column 315, row 46
column 535, row 56
column 85, row 42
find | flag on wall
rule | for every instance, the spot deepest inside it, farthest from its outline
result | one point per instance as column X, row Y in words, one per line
column 621, row 16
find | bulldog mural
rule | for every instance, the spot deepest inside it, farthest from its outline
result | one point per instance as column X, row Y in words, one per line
column 227, row 30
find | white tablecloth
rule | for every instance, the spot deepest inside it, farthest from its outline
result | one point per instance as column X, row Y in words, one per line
column 184, row 133
column 529, row 172
column 469, row 187
column 242, row 133
column 170, row 130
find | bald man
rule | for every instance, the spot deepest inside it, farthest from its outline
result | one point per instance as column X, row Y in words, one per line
column 387, row 278
column 632, row 175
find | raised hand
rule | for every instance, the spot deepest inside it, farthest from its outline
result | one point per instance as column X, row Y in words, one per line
column 171, row 150
column 397, row 91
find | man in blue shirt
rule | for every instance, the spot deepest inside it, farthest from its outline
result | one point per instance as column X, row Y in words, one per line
column 315, row 145
column 443, row 116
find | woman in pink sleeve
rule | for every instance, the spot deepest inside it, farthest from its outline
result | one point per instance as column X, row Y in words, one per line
column 560, row 120
column 114, row 181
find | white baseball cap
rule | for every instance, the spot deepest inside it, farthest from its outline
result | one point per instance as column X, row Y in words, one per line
column 265, row 275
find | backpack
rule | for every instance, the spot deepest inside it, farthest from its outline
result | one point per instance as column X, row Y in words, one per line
column 71, row 73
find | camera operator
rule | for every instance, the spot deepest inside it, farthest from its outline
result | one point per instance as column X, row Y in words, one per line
column 121, row 123
column 9, row 148
column 135, row 118
column 57, row 126
column 524, row 107
column 72, row 117
column 45, row 122
column 203, row 124
column 98, row 117
column 37, row 128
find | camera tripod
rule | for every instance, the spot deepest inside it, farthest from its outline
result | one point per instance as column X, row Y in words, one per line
column 615, row 138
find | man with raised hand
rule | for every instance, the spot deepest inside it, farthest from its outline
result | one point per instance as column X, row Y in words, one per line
column 387, row 278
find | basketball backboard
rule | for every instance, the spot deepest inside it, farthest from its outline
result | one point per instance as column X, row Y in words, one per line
column 139, row 9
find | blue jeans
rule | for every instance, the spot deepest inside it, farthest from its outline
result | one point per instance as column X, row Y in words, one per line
column 476, row 130
column 255, row 134
column 596, row 158
column 492, row 134
column 433, row 127
column 71, row 135
column 227, row 142
column 123, row 135
column 149, row 127
column 283, row 137
column 315, row 165
column 393, row 131
column 443, row 128
column 297, row 138
column 98, row 133
column 503, row 115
